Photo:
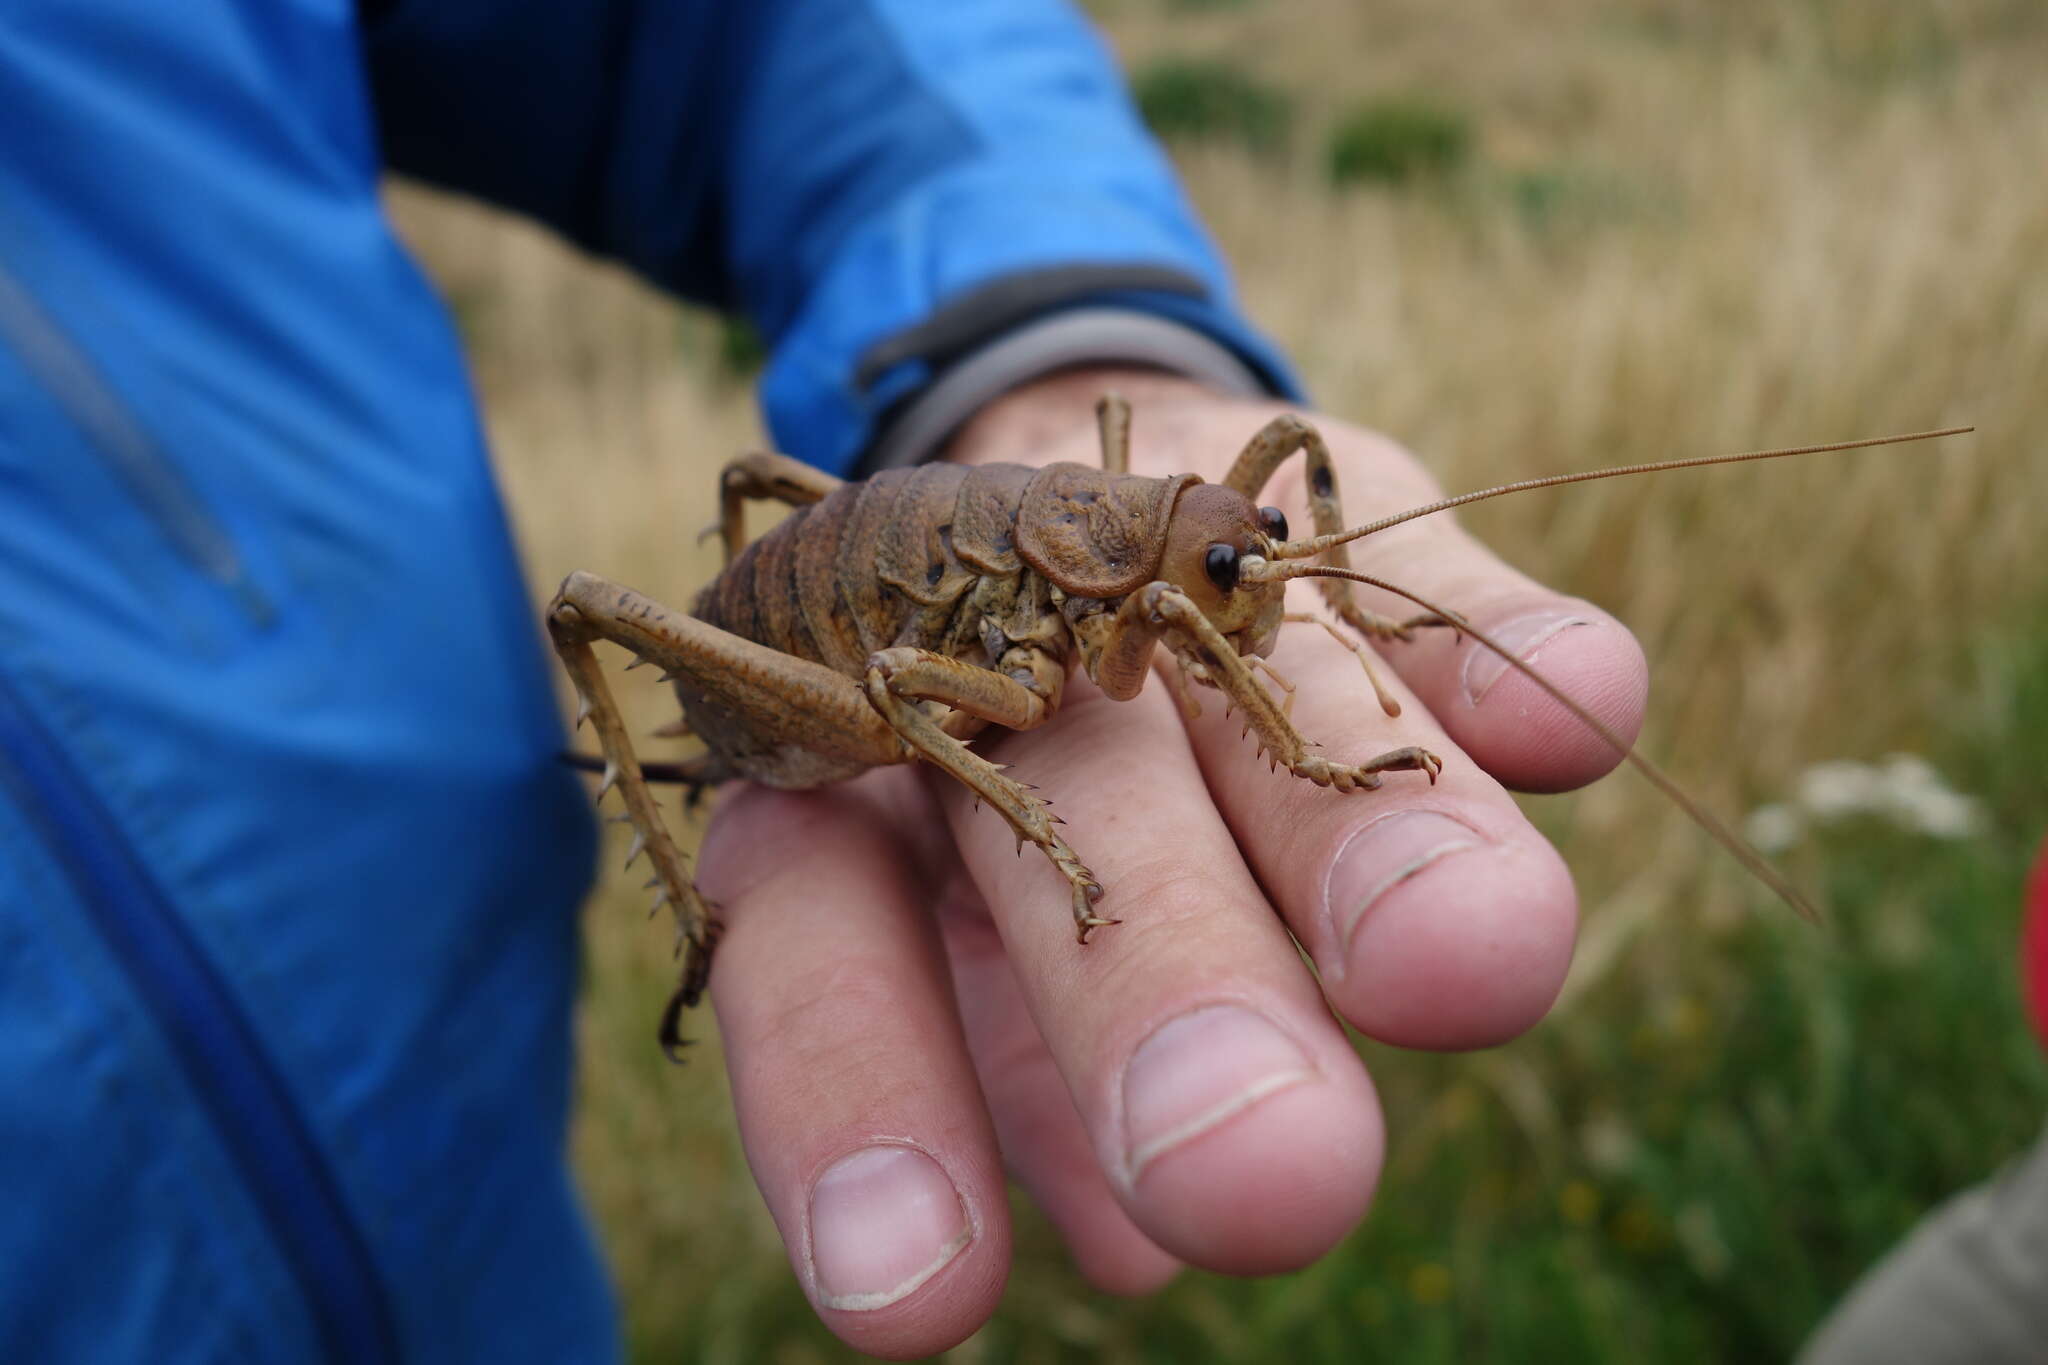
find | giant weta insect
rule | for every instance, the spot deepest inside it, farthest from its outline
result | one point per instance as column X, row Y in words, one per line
column 893, row 619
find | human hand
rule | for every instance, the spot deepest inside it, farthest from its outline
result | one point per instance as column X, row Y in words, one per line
column 905, row 1010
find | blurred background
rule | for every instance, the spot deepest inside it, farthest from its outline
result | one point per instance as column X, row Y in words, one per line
column 1522, row 239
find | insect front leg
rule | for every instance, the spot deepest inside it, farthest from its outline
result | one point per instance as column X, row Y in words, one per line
column 1020, row 693
column 1161, row 612
column 1255, row 466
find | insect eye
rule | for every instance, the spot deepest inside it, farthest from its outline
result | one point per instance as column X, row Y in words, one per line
column 1221, row 566
column 1273, row 523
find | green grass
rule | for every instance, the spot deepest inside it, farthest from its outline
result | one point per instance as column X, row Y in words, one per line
column 741, row 352
column 1191, row 99
column 1394, row 139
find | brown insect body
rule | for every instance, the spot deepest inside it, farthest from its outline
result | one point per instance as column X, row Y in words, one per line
column 965, row 562
column 889, row 620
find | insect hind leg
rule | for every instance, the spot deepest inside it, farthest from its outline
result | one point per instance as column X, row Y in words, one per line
column 697, row 924
column 788, row 709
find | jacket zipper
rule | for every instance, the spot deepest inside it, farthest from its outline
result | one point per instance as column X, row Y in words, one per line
column 253, row 1114
column 68, row 375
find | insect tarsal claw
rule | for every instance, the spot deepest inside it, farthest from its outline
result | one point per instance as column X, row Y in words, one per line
column 670, row 1035
column 1083, row 926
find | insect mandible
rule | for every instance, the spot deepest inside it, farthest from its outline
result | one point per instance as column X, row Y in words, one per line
column 893, row 619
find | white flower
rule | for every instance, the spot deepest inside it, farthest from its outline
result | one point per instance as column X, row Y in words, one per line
column 1839, row 787
column 1904, row 790
column 1776, row 827
column 1941, row 814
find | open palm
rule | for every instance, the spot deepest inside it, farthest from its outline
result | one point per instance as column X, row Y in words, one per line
column 906, row 1012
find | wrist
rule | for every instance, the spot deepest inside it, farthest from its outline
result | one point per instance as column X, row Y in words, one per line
column 1040, row 413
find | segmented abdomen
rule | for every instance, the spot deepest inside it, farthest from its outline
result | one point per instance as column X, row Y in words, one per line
column 880, row 562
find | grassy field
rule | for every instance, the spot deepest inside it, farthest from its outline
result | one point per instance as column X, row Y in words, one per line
column 1559, row 236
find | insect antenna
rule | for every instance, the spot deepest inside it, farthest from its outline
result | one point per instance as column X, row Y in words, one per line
column 1315, row 545
column 1740, row 848
column 1275, row 569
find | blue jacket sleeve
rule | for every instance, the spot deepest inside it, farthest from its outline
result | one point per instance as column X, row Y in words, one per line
column 877, row 184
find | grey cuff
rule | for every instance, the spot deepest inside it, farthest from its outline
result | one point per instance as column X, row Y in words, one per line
column 1059, row 341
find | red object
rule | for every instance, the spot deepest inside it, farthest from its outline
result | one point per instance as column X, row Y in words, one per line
column 2034, row 944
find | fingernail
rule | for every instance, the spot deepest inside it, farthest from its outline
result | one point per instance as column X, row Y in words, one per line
column 883, row 1221
column 1198, row 1071
column 1521, row 637
column 1380, row 857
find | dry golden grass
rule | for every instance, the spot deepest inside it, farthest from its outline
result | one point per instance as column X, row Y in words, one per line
column 1758, row 225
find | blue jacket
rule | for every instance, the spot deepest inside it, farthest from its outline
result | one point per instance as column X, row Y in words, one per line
column 287, row 867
